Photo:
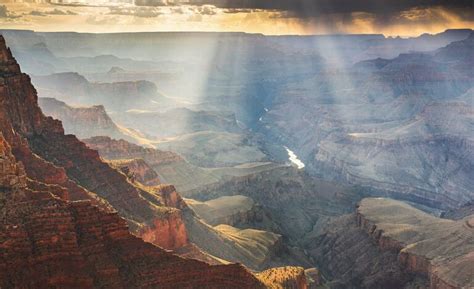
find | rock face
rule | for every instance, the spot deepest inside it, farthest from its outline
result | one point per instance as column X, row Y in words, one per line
column 237, row 211
column 112, row 149
column 442, row 250
column 400, row 126
column 389, row 244
column 12, row 173
column 348, row 258
column 83, row 122
column 296, row 203
column 170, row 167
column 284, row 278
column 115, row 96
column 54, row 158
column 137, row 170
column 438, row 137
column 178, row 121
column 62, row 165
column 47, row 241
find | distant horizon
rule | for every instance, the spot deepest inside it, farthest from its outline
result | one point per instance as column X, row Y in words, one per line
column 243, row 32
column 282, row 17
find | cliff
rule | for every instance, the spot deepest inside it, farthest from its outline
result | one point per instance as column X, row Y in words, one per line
column 54, row 158
column 442, row 250
column 170, row 167
column 74, row 89
column 112, row 149
column 61, row 210
column 237, row 211
column 83, row 122
column 390, row 244
column 48, row 242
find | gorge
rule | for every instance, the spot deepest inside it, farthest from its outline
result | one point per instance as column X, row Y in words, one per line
column 287, row 165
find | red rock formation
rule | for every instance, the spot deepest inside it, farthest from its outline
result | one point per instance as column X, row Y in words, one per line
column 53, row 158
column 47, row 241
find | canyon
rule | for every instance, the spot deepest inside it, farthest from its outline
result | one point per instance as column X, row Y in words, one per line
column 54, row 207
column 316, row 162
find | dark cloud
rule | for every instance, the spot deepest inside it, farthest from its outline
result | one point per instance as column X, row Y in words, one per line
column 238, row 10
column 51, row 12
column 151, row 2
column 312, row 8
column 337, row 6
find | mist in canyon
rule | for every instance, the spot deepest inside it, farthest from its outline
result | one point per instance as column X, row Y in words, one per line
column 330, row 161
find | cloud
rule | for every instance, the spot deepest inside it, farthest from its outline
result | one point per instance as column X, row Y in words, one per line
column 151, row 2
column 384, row 10
column 136, row 11
column 238, row 10
column 4, row 13
column 60, row 12
column 207, row 10
column 51, row 12
column 318, row 7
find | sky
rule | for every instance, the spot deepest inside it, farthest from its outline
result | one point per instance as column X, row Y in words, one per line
column 271, row 17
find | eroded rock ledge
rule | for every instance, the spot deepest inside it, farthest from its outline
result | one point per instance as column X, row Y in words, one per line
column 439, row 249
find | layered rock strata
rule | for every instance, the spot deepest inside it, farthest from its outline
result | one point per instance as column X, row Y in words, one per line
column 48, row 242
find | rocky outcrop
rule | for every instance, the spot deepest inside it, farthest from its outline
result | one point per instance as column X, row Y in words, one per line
column 441, row 250
column 401, row 126
column 48, row 241
column 179, row 121
column 83, row 122
column 113, row 149
column 294, row 201
column 56, row 159
column 349, row 258
column 390, row 244
column 313, row 277
column 239, row 211
column 284, row 278
column 398, row 160
column 75, row 89
column 12, row 173
column 89, row 229
column 170, row 167
column 461, row 212
column 137, row 170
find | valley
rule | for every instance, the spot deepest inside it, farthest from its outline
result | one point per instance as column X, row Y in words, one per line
column 288, row 165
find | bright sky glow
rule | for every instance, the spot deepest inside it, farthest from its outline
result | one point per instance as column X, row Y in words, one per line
column 120, row 16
